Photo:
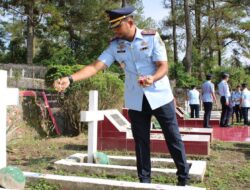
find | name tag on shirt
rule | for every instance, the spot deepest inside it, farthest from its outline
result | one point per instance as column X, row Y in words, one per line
column 144, row 48
column 121, row 51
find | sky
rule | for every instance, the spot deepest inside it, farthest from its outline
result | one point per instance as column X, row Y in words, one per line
column 154, row 9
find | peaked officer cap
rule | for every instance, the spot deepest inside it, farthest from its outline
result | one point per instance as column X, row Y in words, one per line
column 209, row 76
column 225, row 75
column 117, row 15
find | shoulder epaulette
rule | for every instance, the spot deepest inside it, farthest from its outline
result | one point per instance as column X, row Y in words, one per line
column 148, row 32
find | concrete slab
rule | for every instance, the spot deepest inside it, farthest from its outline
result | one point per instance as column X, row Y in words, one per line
column 126, row 164
column 79, row 183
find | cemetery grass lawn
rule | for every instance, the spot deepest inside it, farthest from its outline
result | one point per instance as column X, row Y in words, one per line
column 228, row 165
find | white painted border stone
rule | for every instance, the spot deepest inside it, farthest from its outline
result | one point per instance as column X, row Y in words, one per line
column 74, row 182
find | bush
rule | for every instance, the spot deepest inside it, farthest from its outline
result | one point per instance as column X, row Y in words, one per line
column 76, row 98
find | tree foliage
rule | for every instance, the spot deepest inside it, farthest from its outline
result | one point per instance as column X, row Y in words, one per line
column 220, row 34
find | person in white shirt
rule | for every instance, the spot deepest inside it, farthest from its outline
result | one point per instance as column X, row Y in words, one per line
column 208, row 97
column 236, row 96
column 245, row 103
column 194, row 101
column 225, row 96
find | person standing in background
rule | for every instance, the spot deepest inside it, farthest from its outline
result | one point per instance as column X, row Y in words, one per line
column 194, row 101
column 208, row 97
column 236, row 96
column 225, row 95
column 245, row 103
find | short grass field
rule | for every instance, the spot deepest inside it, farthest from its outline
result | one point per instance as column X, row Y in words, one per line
column 228, row 165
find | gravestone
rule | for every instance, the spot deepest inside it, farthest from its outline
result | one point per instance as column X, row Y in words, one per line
column 92, row 117
column 8, row 96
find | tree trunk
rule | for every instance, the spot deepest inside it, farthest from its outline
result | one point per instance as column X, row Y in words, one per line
column 124, row 3
column 198, row 24
column 173, row 9
column 188, row 57
column 210, row 49
column 217, row 37
column 198, row 4
column 30, row 34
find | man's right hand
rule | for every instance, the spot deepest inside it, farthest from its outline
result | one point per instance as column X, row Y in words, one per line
column 61, row 84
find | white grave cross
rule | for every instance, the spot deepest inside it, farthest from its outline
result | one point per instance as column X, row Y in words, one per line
column 92, row 117
column 8, row 96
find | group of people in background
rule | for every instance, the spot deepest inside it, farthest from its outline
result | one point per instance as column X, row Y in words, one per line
column 235, row 102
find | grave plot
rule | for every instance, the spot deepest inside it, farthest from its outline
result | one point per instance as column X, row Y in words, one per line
column 123, row 165
column 114, row 133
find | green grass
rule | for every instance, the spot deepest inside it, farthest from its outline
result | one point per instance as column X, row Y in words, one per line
column 228, row 166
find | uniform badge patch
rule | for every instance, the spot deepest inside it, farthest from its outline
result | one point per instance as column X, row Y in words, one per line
column 121, row 48
column 144, row 45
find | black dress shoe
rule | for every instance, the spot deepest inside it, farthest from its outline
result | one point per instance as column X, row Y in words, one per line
column 183, row 182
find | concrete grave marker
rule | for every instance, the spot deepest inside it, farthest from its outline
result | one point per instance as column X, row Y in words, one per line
column 92, row 117
column 8, row 96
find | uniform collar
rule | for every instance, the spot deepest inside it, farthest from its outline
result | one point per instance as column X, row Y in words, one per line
column 138, row 33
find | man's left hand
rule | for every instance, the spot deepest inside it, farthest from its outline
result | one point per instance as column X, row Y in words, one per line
column 146, row 81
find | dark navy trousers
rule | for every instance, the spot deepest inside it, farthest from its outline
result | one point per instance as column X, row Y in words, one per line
column 245, row 115
column 225, row 113
column 208, row 106
column 194, row 108
column 140, row 123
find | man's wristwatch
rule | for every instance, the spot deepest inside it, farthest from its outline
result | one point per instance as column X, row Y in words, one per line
column 70, row 79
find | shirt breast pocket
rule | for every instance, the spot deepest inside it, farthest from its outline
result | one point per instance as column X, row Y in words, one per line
column 121, row 58
column 145, row 54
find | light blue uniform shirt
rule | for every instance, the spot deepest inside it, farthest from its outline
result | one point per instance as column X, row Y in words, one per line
column 138, row 58
column 245, row 98
column 193, row 97
column 207, row 91
column 236, row 97
column 224, row 90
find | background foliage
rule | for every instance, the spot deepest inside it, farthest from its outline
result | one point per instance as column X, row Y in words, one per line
column 75, row 99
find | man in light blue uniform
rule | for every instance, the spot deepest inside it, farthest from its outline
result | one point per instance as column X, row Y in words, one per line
column 236, row 96
column 208, row 97
column 225, row 94
column 142, row 54
column 245, row 103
